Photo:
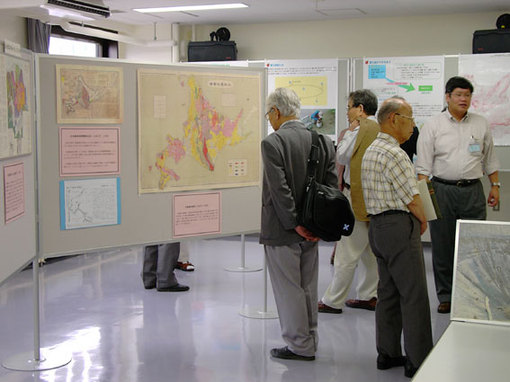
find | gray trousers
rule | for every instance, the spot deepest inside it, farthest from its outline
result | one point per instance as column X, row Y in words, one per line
column 294, row 272
column 159, row 262
column 454, row 203
column 402, row 298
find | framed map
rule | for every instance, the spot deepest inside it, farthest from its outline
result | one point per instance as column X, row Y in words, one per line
column 198, row 130
column 89, row 94
column 15, row 107
column 481, row 283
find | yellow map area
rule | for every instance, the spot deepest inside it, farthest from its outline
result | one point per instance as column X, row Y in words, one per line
column 197, row 130
column 311, row 90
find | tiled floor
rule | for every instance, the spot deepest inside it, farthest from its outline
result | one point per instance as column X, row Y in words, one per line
column 95, row 311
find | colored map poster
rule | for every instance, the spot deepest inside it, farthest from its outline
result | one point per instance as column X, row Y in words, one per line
column 481, row 281
column 89, row 94
column 15, row 107
column 316, row 84
column 198, row 130
column 490, row 75
column 420, row 80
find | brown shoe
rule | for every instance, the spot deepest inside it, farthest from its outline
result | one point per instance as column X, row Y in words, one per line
column 362, row 304
column 323, row 308
column 444, row 307
column 186, row 267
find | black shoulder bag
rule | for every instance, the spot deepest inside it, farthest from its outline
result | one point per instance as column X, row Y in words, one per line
column 325, row 211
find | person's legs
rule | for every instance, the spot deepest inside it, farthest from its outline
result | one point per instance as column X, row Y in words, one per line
column 396, row 240
column 168, row 255
column 367, row 274
column 183, row 263
column 348, row 252
column 309, row 283
column 388, row 319
column 411, row 281
column 442, row 233
column 292, row 299
column 150, row 262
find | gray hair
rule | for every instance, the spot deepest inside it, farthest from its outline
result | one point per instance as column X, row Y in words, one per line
column 285, row 100
column 391, row 105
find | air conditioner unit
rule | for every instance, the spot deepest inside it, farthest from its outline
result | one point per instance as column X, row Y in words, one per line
column 90, row 7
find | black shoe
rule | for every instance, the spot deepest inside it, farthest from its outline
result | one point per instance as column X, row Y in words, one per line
column 444, row 307
column 409, row 369
column 174, row 288
column 151, row 286
column 385, row 362
column 323, row 308
column 285, row 353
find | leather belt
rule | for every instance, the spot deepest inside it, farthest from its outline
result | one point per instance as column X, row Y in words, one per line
column 458, row 183
column 391, row 212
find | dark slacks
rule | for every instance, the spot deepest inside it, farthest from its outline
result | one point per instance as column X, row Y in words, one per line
column 402, row 304
column 454, row 203
column 159, row 262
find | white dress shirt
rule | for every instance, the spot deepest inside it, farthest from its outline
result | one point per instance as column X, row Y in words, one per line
column 455, row 150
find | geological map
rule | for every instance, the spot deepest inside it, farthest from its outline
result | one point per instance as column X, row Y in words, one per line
column 15, row 107
column 89, row 94
column 198, row 130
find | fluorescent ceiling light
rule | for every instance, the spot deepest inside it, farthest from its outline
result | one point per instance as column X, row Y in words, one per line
column 188, row 8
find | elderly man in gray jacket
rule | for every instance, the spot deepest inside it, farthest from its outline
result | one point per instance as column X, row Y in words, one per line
column 291, row 250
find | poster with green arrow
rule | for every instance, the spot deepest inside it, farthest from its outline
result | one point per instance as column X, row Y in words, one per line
column 420, row 80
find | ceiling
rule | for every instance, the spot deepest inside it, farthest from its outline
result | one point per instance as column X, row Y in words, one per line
column 262, row 11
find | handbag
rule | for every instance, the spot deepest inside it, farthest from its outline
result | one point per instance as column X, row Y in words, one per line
column 325, row 211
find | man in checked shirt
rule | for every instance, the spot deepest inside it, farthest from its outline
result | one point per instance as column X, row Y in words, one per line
column 397, row 221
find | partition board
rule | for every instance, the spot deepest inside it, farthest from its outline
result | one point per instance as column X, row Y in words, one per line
column 18, row 232
column 146, row 218
column 451, row 68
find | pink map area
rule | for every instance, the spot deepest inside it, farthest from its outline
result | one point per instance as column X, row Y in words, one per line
column 492, row 101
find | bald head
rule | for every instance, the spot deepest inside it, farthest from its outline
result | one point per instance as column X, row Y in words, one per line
column 396, row 119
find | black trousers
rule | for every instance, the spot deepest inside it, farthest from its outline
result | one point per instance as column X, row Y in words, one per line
column 402, row 298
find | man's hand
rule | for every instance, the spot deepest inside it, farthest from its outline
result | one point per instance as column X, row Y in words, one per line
column 493, row 198
column 353, row 125
column 302, row 231
column 423, row 227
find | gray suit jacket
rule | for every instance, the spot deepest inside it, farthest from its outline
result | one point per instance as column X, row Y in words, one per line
column 285, row 154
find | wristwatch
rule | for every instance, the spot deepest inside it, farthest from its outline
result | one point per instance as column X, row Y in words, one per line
column 497, row 184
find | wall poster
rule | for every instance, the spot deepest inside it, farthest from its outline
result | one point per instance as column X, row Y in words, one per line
column 89, row 94
column 490, row 75
column 420, row 80
column 316, row 84
column 198, row 130
column 15, row 107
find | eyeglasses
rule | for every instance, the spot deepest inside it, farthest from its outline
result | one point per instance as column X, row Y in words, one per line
column 267, row 114
column 350, row 107
column 406, row 117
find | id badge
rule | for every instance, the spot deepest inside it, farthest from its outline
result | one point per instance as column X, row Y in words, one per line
column 474, row 148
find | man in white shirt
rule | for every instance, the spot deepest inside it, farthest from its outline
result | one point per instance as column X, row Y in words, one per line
column 455, row 148
column 353, row 249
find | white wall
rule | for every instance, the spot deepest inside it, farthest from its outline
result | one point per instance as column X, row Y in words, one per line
column 14, row 29
column 393, row 36
column 140, row 53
